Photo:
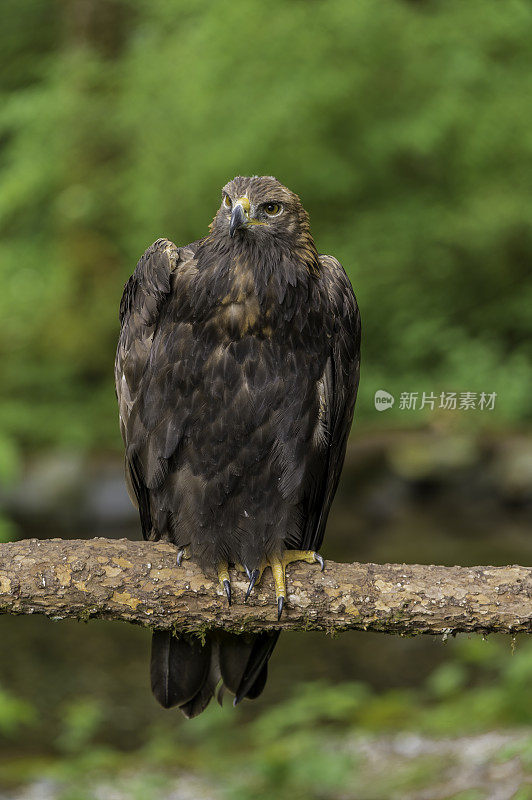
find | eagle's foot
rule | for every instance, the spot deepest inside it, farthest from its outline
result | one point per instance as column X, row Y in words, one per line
column 310, row 556
column 278, row 568
column 224, row 579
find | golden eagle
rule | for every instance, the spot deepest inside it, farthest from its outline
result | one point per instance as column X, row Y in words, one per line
column 236, row 373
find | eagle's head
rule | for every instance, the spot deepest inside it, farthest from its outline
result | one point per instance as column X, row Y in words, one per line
column 259, row 211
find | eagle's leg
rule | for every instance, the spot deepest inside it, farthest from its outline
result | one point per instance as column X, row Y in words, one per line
column 279, row 578
column 278, row 567
column 279, row 571
column 225, row 581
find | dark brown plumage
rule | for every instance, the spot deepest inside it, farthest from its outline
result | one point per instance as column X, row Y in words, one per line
column 236, row 374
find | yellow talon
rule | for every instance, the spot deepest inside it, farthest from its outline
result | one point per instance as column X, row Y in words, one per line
column 278, row 567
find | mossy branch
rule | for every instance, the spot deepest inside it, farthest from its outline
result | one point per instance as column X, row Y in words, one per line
column 140, row 582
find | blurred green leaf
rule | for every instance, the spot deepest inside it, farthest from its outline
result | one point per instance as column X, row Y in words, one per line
column 81, row 720
column 14, row 714
column 8, row 530
column 312, row 704
column 402, row 127
column 447, row 680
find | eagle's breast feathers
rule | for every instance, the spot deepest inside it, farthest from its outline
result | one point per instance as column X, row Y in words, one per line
column 236, row 377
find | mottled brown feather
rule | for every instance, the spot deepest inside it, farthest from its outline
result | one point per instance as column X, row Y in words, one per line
column 236, row 375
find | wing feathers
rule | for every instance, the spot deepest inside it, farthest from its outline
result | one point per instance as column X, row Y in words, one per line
column 337, row 391
column 150, row 441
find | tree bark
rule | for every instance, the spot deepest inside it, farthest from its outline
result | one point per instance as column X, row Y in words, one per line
column 140, row 582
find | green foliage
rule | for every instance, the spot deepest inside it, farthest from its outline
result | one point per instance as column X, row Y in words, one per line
column 81, row 720
column 312, row 705
column 15, row 714
column 322, row 742
column 9, row 461
column 523, row 793
column 9, row 472
column 448, row 680
column 401, row 125
column 8, row 529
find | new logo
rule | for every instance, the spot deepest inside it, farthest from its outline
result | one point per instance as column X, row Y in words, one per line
column 383, row 400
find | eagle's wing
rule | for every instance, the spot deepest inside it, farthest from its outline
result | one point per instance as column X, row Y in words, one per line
column 145, row 296
column 337, row 392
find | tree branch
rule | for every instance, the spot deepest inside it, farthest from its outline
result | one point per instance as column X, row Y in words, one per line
column 140, row 582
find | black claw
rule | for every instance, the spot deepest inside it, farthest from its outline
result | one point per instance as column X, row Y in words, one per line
column 227, row 587
column 180, row 554
column 280, row 606
column 320, row 561
column 252, row 581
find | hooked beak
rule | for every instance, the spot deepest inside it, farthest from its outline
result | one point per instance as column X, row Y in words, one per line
column 239, row 215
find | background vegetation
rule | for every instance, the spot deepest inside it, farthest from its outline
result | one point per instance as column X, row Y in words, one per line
column 322, row 743
column 404, row 126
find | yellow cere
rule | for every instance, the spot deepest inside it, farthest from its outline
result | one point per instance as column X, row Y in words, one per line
column 244, row 202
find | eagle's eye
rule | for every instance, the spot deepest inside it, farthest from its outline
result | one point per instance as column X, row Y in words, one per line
column 227, row 202
column 273, row 209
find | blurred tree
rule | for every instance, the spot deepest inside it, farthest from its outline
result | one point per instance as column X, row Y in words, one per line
column 404, row 127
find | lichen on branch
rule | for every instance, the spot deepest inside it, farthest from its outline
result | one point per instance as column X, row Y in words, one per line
column 140, row 582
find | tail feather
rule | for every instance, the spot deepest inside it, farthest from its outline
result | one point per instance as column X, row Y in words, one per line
column 185, row 673
column 242, row 660
column 202, row 698
column 234, row 654
column 257, row 688
column 179, row 667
